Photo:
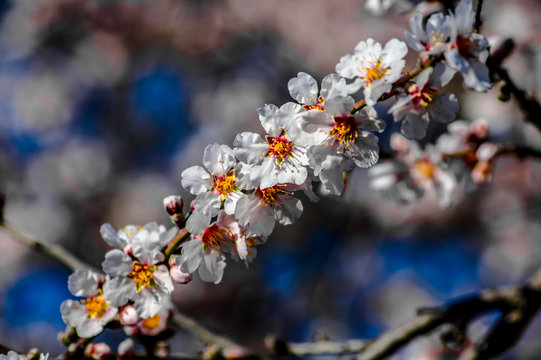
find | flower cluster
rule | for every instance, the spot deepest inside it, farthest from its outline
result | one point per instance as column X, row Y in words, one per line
column 240, row 192
column 462, row 156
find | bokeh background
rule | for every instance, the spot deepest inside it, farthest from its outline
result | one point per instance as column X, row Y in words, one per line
column 103, row 103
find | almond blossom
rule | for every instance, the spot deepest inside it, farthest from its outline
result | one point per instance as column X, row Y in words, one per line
column 423, row 101
column 259, row 211
column 339, row 136
column 377, row 68
column 452, row 35
column 206, row 250
column 412, row 173
column 90, row 315
column 217, row 187
column 141, row 276
column 278, row 159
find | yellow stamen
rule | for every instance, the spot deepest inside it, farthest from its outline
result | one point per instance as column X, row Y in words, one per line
column 142, row 275
column 152, row 323
column 96, row 305
column 374, row 73
column 224, row 183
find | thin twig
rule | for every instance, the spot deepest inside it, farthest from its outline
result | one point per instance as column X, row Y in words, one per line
column 179, row 238
column 220, row 342
column 478, row 21
column 51, row 250
column 518, row 306
column 526, row 102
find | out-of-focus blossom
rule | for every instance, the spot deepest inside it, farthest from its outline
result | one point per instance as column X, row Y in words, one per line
column 152, row 325
column 424, row 101
column 412, row 173
column 452, row 35
column 98, row 351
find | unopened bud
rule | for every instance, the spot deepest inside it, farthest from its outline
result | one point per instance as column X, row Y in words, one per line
column 98, row 351
column 479, row 129
column 173, row 205
column 126, row 349
column 128, row 316
column 179, row 276
column 33, row 354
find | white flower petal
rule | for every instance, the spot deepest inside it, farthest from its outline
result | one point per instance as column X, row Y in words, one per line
column 73, row 313
column 365, row 150
column 163, row 279
column 196, row 180
column 414, row 126
column 249, row 147
column 218, row 159
column 89, row 328
column 289, row 211
column 212, row 267
column 118, row 291
column 303, row 88
column 192, row 253
column 208, row 203
column 197, row 222
column 109, row 235
column 83, row 282
column 116, row 263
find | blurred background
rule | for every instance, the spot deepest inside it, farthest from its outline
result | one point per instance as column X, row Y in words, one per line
column 103, row 103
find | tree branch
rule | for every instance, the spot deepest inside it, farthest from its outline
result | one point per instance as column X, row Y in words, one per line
column 51, row 250
column 478, row 21
column 518, row 306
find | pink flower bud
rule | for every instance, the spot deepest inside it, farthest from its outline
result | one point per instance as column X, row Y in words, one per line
column 173, row 204
column 126, row 349
column 128, row 316
column 98, row 351
column 179, row 276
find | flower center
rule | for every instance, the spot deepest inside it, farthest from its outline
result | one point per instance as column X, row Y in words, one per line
column 96, row 305
column 375, row 72
column 319, row 105
column 152, row 323
column 214, row 237
column 142, row 275
column 423, row 170
column 132, row 230
column 224, row 183
column 344, row 130
column 269, row 195
column 279, row 147
column 464, row 45
column 422, row 97
column 435, row 39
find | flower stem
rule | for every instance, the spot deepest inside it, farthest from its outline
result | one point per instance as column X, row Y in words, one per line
column 179, row 238
column 478, row 21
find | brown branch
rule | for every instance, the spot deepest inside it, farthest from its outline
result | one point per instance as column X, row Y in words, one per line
column 51, row 250
column 478, row 21
column 282, row 348
column 518, row 306
column 527, row 103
